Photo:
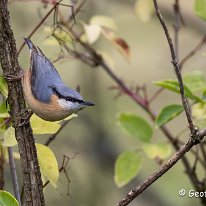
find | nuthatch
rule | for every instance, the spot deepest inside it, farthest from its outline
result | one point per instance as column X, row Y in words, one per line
column 45, row 93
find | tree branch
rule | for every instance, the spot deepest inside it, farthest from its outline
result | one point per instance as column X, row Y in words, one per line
column 9, row 63
column 53, row 136
column 155, row 176
column 177, row 69
column 193, row 51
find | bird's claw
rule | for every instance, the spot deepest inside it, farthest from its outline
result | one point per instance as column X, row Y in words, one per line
column 25, row 117
column 12, row 77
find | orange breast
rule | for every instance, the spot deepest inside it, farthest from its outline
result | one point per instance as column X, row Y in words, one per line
column 51, row 111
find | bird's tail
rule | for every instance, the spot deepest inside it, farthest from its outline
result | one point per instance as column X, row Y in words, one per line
column 29, row 43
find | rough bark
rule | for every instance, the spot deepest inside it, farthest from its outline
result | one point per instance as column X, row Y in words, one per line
column 33, row 189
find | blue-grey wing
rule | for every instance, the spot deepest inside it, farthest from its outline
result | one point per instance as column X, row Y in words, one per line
column 44, row 74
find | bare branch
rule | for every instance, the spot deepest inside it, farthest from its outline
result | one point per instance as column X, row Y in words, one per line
column 155, row 176
column 10, row 66
column 53, row 136
column 193, row 51
column 176, row 65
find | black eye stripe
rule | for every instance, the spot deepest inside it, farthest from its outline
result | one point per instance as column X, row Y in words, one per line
column 68, row 98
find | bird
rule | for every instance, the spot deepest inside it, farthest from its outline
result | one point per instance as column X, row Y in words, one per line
column 44, row 91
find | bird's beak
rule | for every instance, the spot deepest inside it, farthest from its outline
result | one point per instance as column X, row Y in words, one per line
column 87, row 103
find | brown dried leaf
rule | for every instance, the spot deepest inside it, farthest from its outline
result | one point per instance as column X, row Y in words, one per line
column 119, row 43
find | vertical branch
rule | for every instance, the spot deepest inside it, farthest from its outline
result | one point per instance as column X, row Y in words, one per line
column 176, row 65
column 176, row 27
column 23, row 132
column 14, row 175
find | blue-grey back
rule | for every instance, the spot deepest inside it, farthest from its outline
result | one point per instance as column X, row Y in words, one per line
column 44, row 75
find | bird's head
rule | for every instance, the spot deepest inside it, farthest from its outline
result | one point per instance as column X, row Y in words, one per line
column 71, row 101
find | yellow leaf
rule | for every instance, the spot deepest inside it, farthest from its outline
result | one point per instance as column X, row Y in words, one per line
column 16, row 155
column 51, row 41
column 70, row 116
column 40, row 126
column 93, row 32
column 48, row 164
column 59, row 33
column 119, row 43
column 144, row 9
column 104, row 21
column 160, row 150
column 9, row 138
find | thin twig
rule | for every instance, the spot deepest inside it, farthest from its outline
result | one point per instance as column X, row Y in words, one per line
column 155, row 95
column 176, row 27
column 6, row 121
column 155, row 176
column 46, row 16
column 53, row 136
column 63, row 167
column 176, row 65
column 14, row 175
column 193, row 51
column 38, row 25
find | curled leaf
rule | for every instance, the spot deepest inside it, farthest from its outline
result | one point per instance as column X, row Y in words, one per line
column 119, row 43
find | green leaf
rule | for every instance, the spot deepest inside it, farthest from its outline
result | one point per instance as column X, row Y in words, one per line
column 126, row 167
column 4, row 109
column 200, row 8
column 168, row 113
column 9, row 137
column 160, row 150
column 48, row 163
column 136, row 126
column 144, row 9
column 3, row 87
column 195, row 81
column 173, row 85
column 103, row 21
column 6, row 199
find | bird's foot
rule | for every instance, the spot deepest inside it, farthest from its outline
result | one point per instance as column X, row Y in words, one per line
column 12, row 77
column 25, row 117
